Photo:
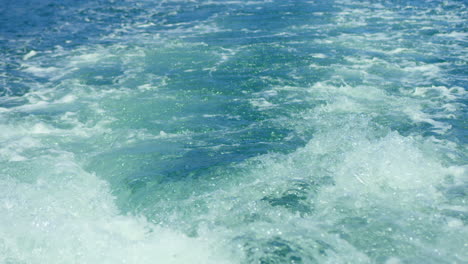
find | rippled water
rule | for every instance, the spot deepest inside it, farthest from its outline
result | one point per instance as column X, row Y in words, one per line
column 194, row 131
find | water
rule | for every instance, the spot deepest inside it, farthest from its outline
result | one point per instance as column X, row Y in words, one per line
column 180, row 131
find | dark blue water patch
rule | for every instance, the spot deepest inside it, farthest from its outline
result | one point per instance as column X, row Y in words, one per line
column 266, row 24
column 459, row 71
column 43, row 25
column 162, row 161
column 230, row 143
column 13, row 101
column 221, row 129
column 295, row 198
column 195, row 13
column 40, row 25
column 13, row 87
column 248, row 69
column 278, row 251
column 287, row 13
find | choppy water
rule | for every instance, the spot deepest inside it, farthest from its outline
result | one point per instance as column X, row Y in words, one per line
column 191, row 131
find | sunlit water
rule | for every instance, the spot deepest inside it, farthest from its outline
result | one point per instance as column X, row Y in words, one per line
column 273, row 132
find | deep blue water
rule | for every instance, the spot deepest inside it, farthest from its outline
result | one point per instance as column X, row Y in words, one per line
column 191, row 131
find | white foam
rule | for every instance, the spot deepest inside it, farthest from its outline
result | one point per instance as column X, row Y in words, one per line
column 393, row 173
column 89, row 58
column 455, row 223
column 29, row 55
column 427, row 70
column 67, row 215
column 393, row 260
column 69, row 98
column 398, row 50
column 418, row 116
column 13, row 148
column 267, row 93
column 261, row 103
column 145, row 25
column 319, row 56
column 391, row 164
column 146, row 87
column 42, row 71
column 460, row 36
column 64, row 214
column 442, row 92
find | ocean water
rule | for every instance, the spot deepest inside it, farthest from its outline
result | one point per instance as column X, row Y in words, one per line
column 225, row 131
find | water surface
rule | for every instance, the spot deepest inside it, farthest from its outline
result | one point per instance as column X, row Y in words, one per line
column 263, row 131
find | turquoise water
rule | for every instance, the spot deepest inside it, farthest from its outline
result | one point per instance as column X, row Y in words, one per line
column 263, row 131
